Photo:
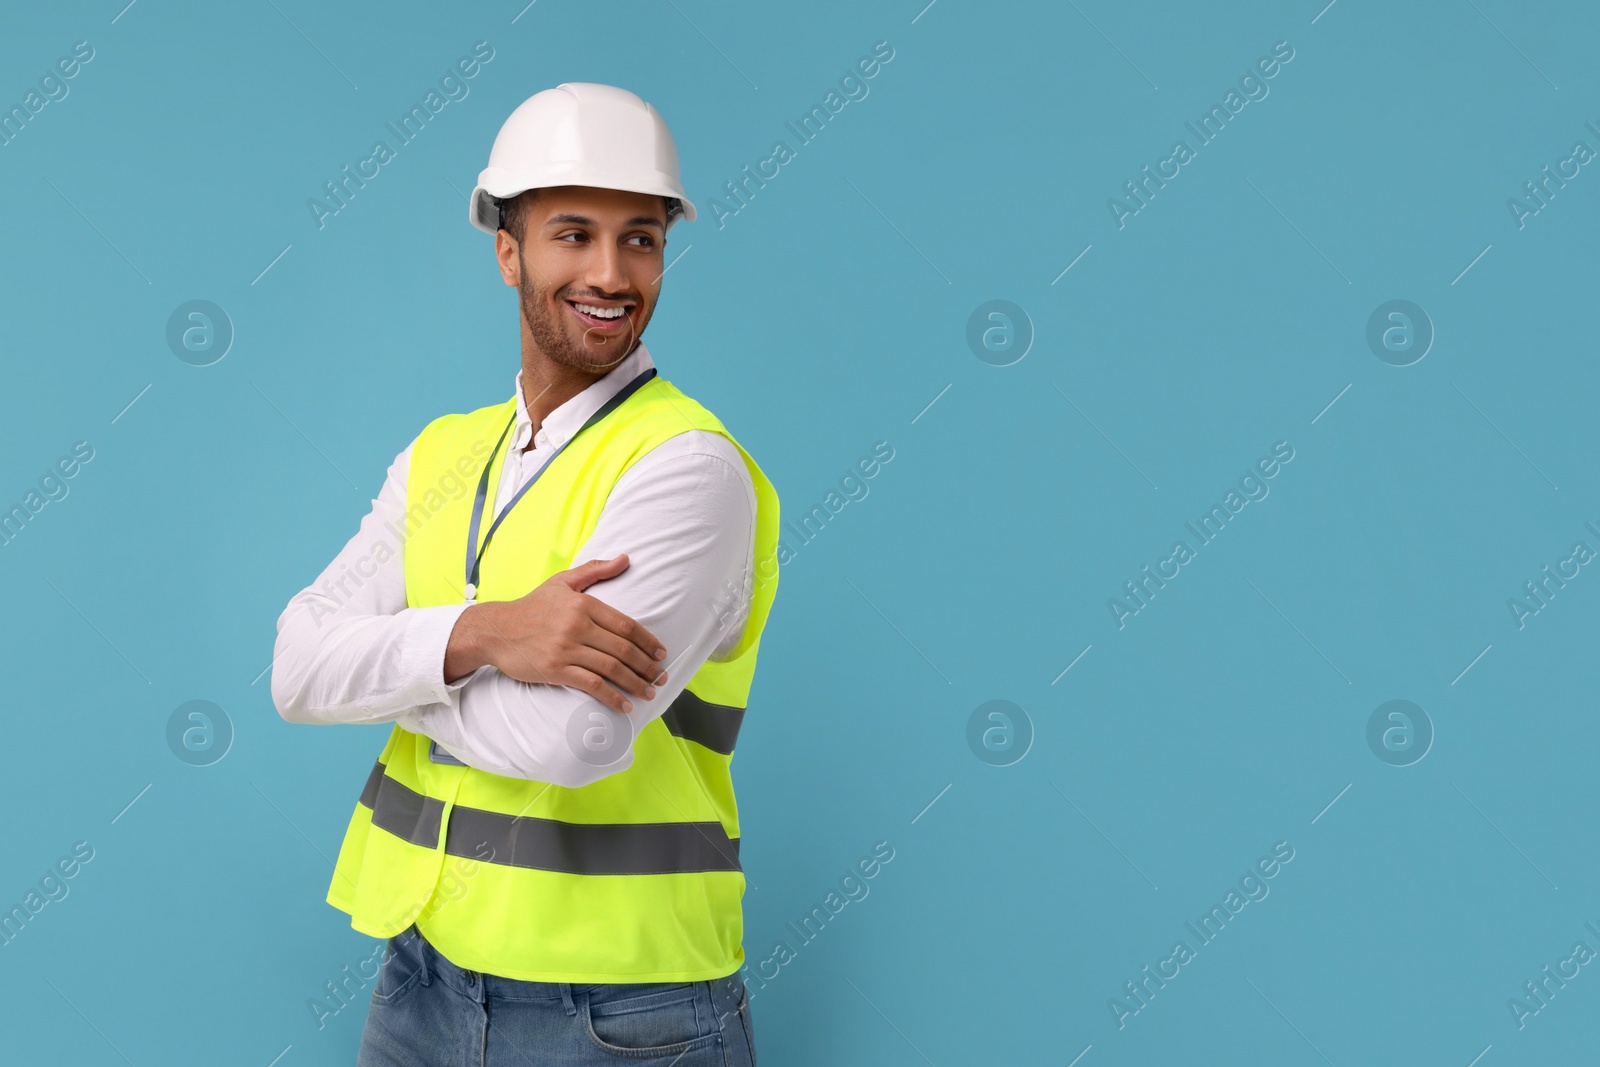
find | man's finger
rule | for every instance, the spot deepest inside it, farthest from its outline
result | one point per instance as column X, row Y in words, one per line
column 586, row 574
column 614, row 671
column 623, row 626
column 589, row 682
column 632, row 656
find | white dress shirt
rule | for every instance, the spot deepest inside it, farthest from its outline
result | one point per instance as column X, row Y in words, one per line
column 349, row 650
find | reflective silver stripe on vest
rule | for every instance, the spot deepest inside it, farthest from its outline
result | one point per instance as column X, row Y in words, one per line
column 550, row 844
column 591, row 848
column 405, row 813
column 716, row 726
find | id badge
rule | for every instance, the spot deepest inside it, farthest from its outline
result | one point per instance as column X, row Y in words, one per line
column 439, row 755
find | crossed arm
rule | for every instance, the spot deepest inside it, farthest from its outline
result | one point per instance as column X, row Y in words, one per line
column 349, row 650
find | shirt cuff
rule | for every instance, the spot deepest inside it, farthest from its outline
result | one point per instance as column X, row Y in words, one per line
column 422, row 652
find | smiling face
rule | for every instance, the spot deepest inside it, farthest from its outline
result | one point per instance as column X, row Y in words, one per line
column 587, row 267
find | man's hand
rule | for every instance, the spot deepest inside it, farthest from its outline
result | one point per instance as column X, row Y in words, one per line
column 559, row 635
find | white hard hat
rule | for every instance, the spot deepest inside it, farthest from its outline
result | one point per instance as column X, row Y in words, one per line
column 579, row 133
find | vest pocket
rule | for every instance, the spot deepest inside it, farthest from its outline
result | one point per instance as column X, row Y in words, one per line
column 651, row 1018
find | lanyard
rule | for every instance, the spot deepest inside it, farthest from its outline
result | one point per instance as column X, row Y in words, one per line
column 475, row 557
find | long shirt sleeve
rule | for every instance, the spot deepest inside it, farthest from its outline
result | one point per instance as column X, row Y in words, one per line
column 350, row 651
column 687, row 521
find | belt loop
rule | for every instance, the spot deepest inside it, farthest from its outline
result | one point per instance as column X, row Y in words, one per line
column 422, row 955
column 566, row 998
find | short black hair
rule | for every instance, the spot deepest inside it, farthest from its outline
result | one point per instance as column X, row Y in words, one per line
column 514, row 211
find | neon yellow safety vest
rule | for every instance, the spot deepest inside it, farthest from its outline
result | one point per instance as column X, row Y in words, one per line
column 633, row 878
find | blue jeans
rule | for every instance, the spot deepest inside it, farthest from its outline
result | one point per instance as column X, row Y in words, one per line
column 427, row 1012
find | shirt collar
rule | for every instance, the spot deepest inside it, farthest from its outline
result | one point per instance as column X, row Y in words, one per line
column 567, row 419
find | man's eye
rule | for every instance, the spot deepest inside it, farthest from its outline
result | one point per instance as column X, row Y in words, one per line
column 646, row 240
column 575, row 236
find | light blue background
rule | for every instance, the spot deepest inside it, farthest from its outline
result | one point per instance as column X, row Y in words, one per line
column 1224, row 317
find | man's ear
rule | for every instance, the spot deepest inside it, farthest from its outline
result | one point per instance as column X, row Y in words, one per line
column 508, row 255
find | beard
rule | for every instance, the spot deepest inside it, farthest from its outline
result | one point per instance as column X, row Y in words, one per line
column 554, row 330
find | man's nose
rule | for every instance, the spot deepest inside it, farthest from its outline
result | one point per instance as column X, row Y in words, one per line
column 605, row 272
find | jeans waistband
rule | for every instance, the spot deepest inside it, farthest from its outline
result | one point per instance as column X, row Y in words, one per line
column 480, row 986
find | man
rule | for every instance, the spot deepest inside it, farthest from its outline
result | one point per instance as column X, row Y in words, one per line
column 549, row 838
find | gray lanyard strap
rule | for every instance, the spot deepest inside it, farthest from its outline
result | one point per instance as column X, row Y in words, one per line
column 474, row 550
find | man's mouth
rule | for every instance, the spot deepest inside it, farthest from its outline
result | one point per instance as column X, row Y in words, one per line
column 601, row 317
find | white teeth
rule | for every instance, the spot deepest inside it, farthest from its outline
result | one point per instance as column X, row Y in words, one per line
column 601, row 313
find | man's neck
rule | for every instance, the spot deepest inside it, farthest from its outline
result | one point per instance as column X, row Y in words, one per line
column 546, row 386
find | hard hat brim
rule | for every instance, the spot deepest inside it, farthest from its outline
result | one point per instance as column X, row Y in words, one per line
column 496, row 184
